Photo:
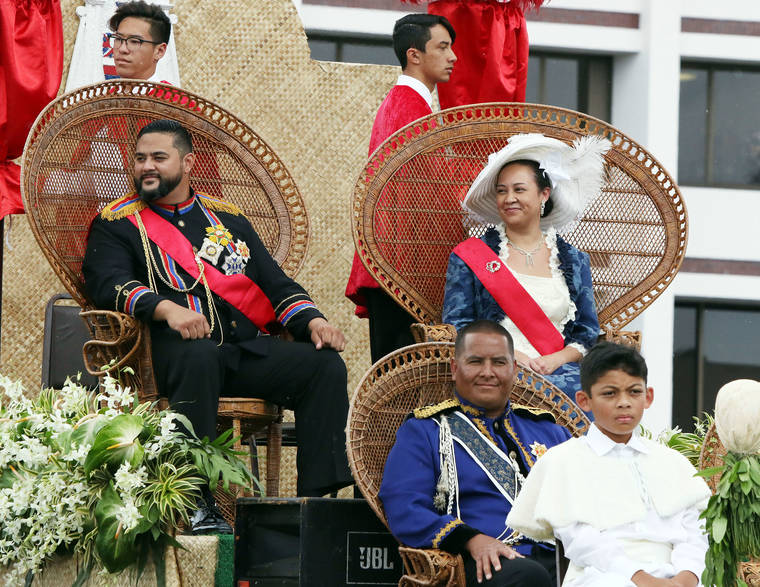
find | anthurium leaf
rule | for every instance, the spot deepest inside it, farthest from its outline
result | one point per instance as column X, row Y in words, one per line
column 86, row 430
column 116, row 442
column 116, row 548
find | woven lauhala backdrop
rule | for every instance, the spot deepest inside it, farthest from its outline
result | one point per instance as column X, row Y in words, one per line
column 254, row 60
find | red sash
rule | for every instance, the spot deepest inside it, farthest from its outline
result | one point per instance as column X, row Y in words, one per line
column 511, row 296
column 238, row 290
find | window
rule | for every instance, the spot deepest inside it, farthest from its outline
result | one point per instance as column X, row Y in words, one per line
column 719, row 126
column 578, row 82
column 352, row 49
column 712, row 345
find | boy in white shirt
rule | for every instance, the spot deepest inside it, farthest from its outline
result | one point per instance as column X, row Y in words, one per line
column 625, row 508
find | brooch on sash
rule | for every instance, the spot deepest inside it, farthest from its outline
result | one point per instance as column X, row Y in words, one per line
column 493, row 266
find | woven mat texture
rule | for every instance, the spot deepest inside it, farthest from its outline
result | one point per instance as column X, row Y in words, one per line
column 193, row 566
column 253, row 60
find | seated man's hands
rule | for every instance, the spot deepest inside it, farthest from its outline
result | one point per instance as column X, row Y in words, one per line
column 682, row 579
column 189, row 323
column 486, row 552
column 325, row 335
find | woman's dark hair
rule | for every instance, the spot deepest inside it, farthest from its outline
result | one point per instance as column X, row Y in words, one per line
column 413, row 30
column 610, row 356
column 542, row 180
column 160, row 25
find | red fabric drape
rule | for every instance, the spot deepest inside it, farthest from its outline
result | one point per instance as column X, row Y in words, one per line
column 31, row 65
column 492, row 50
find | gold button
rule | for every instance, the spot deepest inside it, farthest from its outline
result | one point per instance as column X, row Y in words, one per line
column 233, row 324
column 181, row 223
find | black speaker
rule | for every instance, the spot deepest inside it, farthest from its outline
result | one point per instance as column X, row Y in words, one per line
column 312, row 542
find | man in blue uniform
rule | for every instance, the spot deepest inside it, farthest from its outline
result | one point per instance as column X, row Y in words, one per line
column 456, row 467
column 193, row 268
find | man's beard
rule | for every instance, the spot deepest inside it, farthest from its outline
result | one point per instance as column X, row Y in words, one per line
column 165, row 185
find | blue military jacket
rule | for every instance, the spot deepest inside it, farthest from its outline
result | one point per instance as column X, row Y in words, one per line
column 413, row 470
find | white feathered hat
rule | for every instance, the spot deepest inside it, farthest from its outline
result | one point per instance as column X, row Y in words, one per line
column 576, row 174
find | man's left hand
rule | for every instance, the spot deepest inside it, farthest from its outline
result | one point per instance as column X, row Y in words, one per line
column 325, row 336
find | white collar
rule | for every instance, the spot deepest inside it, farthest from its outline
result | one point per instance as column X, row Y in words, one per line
column 155, row 78
column 602, row 444
column 417, row 86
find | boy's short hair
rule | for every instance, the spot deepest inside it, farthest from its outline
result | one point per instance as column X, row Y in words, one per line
column 413, row 30
column 610, row 356
column 160, row 25
column 181, row 138
column 482, row 326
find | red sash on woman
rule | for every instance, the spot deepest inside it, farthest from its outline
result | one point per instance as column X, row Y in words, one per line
column 238, row 290
column 517, row 303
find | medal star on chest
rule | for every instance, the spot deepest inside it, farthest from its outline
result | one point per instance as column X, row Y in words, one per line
column 219, row 234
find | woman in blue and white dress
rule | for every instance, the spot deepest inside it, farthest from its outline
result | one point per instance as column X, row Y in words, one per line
column 521, row 273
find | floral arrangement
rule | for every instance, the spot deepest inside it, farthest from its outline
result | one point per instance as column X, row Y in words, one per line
column 689, row 444
column 101, row 475
column 732, row 517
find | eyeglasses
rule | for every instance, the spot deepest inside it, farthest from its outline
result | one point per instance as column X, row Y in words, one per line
column 133, row 43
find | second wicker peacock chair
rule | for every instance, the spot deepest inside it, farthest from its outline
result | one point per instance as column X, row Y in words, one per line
column 78, row 159
column 407, row 212
column 412, row 377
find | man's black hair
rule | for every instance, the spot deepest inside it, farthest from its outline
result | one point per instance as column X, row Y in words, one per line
column 160, row 25
column 610, row 356
column 181, row 139
column 486, row 327
column 413, row 30
column 542, row 180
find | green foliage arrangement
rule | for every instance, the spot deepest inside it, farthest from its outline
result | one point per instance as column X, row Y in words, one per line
column 689, row 444
column 101, row 475
column 732, row 519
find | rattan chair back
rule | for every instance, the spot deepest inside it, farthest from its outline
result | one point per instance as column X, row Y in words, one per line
column 408, row 217
column 416, row 376
column 79, row 157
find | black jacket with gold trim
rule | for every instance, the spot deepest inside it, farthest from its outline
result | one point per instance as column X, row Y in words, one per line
column 115, row 268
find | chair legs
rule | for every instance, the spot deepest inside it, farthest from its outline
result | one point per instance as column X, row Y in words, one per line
column 274, row 446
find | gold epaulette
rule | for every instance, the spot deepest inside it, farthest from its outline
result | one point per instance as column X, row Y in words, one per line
column 533, row 413
column 219, row 205
column 427, row 411
column 123, row 207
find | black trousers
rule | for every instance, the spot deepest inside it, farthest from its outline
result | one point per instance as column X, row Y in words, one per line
column 388, row 324
column 295, row 375
column 537, row 570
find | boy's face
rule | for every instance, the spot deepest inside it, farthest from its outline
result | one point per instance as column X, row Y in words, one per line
column 618, row 401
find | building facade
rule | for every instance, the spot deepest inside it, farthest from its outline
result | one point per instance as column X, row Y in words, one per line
column 682, row 77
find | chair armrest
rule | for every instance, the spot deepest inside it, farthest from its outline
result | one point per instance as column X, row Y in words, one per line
column 431, row 567
column 433, row 332
column 626, row 337
column 117, row 339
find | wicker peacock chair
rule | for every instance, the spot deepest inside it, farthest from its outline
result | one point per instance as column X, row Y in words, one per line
column 407, row 214
column 412, row 377
column 78, row 158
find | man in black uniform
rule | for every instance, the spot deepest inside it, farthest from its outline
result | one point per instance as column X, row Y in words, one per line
column 194, row 269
